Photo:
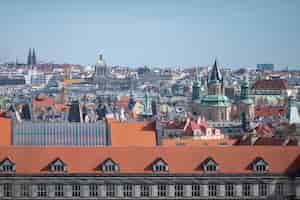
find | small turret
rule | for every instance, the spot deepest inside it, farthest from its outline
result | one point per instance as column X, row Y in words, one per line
column 196, row 89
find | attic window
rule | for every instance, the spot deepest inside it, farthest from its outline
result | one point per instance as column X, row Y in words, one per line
column 260, row 166
column 58, row 166
column 210, row 165
column 7, row 166
column 160, row 166
column 110, row 166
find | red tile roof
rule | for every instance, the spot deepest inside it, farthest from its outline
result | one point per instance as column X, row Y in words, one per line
column 5, row 131
column 270, row 111
column 276, row 84
column 133, row 134
column 267, row 141
column 233, row 159
column 169, row 142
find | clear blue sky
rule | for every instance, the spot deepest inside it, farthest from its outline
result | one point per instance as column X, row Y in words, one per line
column 152, row 32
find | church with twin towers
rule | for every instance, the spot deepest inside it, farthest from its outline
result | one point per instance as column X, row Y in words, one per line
column 31, row 59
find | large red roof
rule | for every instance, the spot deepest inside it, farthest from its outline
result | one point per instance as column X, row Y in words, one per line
column 233, row 159
column 276, row 84
column 132, row 133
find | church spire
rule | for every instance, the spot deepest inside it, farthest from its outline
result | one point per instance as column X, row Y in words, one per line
column 215, row 75
column 29, row 57
column 33, row 57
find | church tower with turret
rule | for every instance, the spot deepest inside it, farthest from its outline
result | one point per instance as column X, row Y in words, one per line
column 215, row 106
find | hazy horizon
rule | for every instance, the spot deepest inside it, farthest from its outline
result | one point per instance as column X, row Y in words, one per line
column 165, row 33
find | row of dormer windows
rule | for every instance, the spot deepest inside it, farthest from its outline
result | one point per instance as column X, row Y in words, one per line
column 209, row 165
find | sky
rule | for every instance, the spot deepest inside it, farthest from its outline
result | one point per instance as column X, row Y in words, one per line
column 152, row 32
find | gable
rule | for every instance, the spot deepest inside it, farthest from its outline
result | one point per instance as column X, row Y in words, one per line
column 7, row 165
column 109, row 166
column 159, row 165
column 260, row 165
column 57, row 166
column 209, row 164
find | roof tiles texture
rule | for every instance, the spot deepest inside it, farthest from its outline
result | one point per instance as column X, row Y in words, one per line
column 132, row 134
column 278, row 84
column 183, row 160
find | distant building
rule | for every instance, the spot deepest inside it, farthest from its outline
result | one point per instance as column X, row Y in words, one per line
column 263, row 67
column 31, row 59
column 108, row 81
column 268, row 91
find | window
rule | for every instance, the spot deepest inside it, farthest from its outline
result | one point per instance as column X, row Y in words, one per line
column 7, row 190
column 279, row 189
column 246, row 189
column 178, row 190
column 229, row 190
column 76, row 190
column 145, row 190
column 109, row 166
column 263, row 189
column 196, row 190
column 127, row 190
column 41, row 190
column 212, row 190
column 93, row 190
column 160, row 166
column 210, row 165
column 7, row 166
column 110, row 190
column 162, row 190
column 59, row 190
column 58, row 166
column 260, row 166
column 24, row 190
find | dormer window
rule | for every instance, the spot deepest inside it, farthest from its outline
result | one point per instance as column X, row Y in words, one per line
column 7, row 166
column 58, row 166
column 209, row 165
column 160, row 166
column 260, row 165
column 109, row 166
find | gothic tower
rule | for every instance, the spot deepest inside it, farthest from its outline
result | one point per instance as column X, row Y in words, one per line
column 215, row 106
column 33, row 58
column 215, row 82
column 29, row 57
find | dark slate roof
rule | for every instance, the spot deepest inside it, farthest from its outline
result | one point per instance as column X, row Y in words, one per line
column 215, row 75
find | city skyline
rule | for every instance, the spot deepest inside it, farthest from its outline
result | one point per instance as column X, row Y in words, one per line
column 164, row 33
